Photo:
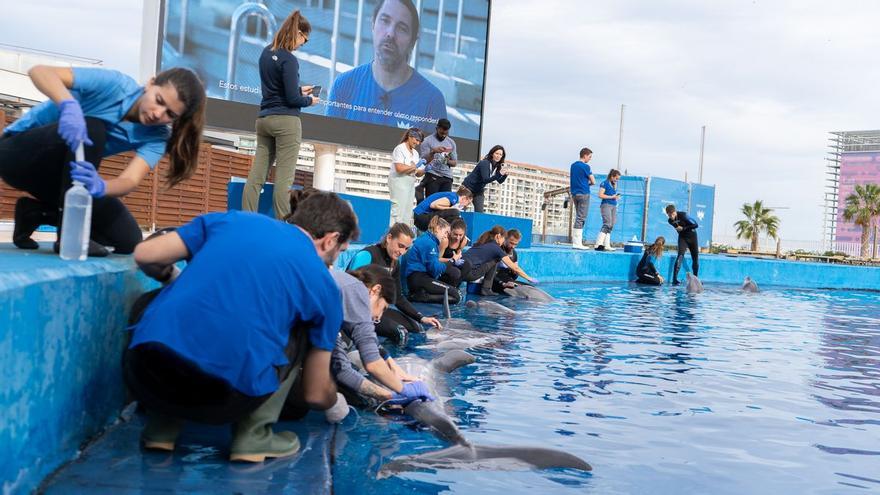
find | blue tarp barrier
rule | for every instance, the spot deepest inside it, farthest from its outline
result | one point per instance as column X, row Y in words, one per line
column 702, row 209
column 664, row 192
column 630, row 209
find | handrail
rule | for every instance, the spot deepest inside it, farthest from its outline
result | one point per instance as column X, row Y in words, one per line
column 244, row 11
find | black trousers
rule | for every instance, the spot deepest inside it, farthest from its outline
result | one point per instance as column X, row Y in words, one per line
column 424, row 288
column 437, row 184
column 687, row 241
column 648, row 279
column 36, row 161
column 422, row 220
column 479, row 200
column 395, row 326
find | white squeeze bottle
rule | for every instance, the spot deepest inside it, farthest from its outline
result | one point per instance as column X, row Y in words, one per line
column 77, row 221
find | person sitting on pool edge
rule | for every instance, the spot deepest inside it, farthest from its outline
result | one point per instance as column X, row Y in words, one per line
column 224, row 342
column 687, row 240
column 426, row 277
column 447, row 205
column 484, row 258
column 506, row 278
column 404, row 318
column 453, row 246
column 366, row 294
column 646, row 271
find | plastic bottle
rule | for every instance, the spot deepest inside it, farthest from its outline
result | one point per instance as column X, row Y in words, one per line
column 77, row 221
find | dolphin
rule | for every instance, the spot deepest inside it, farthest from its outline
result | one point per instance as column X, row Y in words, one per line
column 490, row 307
column 529, row 292
column 465, row 455
column 749, row 285
column 693, row 284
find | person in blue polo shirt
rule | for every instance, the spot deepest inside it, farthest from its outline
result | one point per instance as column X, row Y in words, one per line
column 387, row 90
column 581, row 178
column 609, row 196
column 447, row 205
column 109, row 113
column 223, row 342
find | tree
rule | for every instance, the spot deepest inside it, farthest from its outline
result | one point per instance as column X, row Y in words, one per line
column 862, row 208
column 758, row 219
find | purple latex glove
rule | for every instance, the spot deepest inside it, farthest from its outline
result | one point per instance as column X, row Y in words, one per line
column 412, row 391
column 534, row 281
column 72, row 124
column 85, row 172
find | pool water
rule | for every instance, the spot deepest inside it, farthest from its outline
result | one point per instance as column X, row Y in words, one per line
column 661, row 391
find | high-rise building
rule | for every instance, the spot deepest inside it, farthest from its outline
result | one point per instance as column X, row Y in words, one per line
column 854, row 158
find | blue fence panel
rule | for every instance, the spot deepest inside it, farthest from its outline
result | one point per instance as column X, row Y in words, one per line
column 373, row 216
column 702, row 209
column 477, row 223
column 630, row 209
column 664, row 192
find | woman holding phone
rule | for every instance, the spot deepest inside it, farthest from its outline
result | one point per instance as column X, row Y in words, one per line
column 490, row 169
column 279, row 130
column 405, row 167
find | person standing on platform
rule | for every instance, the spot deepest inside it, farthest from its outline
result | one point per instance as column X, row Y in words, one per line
column 490, row 169
column 440, row 151
column 687, row 240
column 581, row 178
column 609, row 196
column 405, row 166
column 445, row 204
column 108, row 112
column 279, row 129
column 223, row 342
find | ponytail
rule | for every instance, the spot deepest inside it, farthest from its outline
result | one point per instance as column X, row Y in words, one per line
column 285, row 38
column 489, row 235
column 186, row 132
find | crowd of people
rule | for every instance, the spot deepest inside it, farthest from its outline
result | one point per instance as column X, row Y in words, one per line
column 269, row 335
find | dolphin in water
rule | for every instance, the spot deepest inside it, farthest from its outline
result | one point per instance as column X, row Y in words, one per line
column 693, row 284
column 465, row 455
column 490, row 307
column 529, row 292
column 749, row 285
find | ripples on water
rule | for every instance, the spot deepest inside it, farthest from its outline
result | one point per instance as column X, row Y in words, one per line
column 662, row 392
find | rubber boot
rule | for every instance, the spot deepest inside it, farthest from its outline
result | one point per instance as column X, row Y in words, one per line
column 253, row 439
column 607, row 242
column 577, row 239
column 30, row 214
column 160, row 432
column 600, row 241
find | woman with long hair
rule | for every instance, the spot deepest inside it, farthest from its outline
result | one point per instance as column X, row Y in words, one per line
column 107, row 112
column 404, row 318
column 646, row 271
column 405, row 167
column 490, row 169
column 484, row 257
column 279, row 129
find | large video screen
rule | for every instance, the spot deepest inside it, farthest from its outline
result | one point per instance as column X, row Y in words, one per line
column 855, row 168
column 383, row 65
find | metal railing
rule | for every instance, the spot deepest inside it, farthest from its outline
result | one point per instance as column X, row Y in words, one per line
column 245, row 10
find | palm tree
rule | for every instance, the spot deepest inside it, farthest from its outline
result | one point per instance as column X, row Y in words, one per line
column 758, row 219
column 862, row 207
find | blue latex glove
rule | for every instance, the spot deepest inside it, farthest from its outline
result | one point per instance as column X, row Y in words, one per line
column 412, row 391
column 85, row 172
column 72, row 124
column 422, row 163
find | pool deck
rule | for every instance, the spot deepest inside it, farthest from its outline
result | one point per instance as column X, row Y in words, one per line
column 61, row 338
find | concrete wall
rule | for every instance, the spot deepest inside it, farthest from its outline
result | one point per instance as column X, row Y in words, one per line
column 61, row 339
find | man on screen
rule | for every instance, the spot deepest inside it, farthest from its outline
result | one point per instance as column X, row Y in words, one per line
column 387, row 90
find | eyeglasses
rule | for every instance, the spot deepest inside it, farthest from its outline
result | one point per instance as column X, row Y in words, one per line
column 306, row 38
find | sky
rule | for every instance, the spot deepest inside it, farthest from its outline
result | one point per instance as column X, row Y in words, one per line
column 769, row 80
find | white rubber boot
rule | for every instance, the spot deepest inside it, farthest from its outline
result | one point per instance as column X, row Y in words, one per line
column 577, row 239
column 608, row 242
column 600, row 241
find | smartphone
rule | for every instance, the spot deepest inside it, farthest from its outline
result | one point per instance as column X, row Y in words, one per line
column 316, row 91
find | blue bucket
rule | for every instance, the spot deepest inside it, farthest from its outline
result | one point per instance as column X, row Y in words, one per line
column 474, row 288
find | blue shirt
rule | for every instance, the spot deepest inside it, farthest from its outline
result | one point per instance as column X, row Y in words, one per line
column 424, row 256
column 250, row 280
column 610, row 190
column 425, row 205
column 106, row 95
column 417, row 103
column 279, row 80
column 579, row 178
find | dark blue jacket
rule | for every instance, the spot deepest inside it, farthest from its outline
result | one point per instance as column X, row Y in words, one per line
column 481, row 176
column 682, row 220
column 424, row 256
column 279, row 80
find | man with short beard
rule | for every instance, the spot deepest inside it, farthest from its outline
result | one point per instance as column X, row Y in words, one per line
column 398, row 95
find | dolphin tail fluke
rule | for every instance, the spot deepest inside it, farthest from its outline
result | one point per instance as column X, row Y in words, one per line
column 480, row 457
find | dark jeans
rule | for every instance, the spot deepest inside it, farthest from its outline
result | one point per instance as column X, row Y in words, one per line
column 479, row 199
column 36, row 161
column 422, row 220
column 687, row 241
column 435, row 184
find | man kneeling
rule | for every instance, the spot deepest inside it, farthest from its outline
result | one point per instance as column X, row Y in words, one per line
column 224, row 342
